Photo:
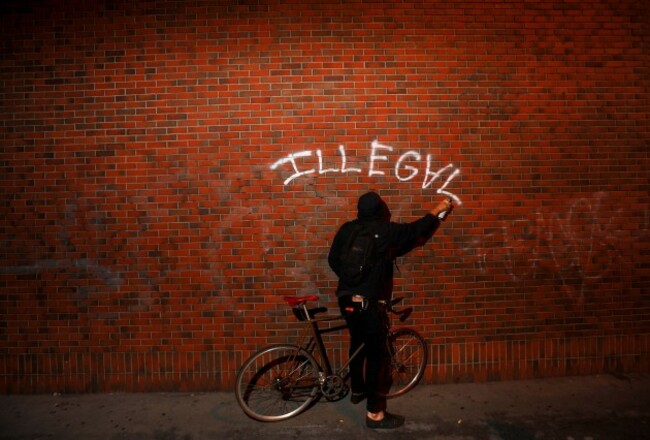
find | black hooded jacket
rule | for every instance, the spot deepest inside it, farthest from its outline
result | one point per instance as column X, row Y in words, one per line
column 395, row 240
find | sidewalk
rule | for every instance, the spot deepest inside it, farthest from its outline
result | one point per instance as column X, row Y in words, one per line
column 578, row 408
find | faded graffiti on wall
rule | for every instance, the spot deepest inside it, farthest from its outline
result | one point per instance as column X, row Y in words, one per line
column 580, row 246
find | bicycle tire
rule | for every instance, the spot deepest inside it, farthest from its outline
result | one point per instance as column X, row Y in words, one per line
column 408, row 360
column 277, row 383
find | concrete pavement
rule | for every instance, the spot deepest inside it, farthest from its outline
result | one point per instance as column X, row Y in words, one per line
column 573, row 408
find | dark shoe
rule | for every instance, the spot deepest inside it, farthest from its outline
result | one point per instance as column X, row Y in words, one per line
column 356, row 398
column 390, row 421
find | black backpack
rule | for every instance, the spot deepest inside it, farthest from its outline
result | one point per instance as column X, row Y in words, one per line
column 359, row 253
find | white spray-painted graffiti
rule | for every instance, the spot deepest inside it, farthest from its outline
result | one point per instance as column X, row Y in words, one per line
column 404, row 169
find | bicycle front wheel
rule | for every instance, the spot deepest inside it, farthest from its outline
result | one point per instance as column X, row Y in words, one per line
column 408, row 359
column 277, row 383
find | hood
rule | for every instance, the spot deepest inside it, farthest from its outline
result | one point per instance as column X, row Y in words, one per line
column 371, row 206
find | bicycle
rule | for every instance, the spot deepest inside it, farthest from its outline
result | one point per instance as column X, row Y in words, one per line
column 281, row 381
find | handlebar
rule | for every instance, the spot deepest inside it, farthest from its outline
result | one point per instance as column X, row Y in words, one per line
column 403, row 313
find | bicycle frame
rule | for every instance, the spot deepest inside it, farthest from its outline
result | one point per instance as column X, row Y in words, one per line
column 314, row 337
column 304, row 314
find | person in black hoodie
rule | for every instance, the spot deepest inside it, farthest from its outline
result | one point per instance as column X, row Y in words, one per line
column 363, row 305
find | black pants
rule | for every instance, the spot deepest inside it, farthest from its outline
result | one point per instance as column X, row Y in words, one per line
column 369, row 327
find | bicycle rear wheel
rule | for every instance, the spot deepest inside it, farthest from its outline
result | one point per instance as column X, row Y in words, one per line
column 277, row 383
column 408, row 359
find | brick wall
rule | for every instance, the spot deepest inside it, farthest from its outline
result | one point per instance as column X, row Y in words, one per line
column 170, row 169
